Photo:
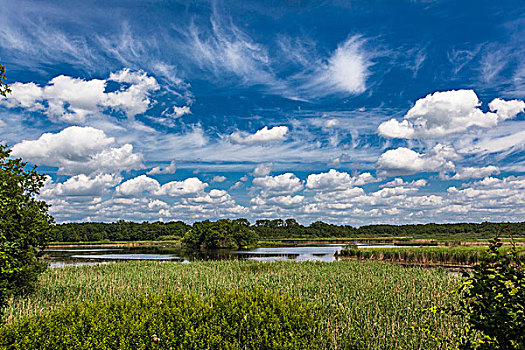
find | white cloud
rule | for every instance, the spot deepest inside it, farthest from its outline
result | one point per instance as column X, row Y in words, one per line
column 262, row 136
column 73, row 100
column 278, row 185
column 144, row 184
column 279, row 201
column 404, row 161
column 348, row 68
column 447, row 112
column 134, row 99
column 214, row 197
column 218, row 178
column 81, row 185
column 262, row 169
column 237, row 185
column 334, row 180
column 188, row 186
column 399, row 182
column 178, row 112
column 344, row 72
column 138, row 185
column 170, row 169
column 475, row 173
column 77, row 150
column 507, row 109
column 491, row 144
column 330, row 123
column 505, row 195
column 363, row 179
column 158, row 204
column 24, row 96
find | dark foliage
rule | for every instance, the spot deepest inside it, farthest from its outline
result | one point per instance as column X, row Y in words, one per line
column 24, row 226
column 493, row 300
column 269, row 229
column 223, row 233
column 118, row 231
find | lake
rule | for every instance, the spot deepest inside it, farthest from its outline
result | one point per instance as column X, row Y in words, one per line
column 89, row 255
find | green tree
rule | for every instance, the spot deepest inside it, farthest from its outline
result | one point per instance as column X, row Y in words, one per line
column 4, row 88
column 224, row 233
column 25, row 226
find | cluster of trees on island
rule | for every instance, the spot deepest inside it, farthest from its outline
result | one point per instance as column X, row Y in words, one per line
column 236, row 233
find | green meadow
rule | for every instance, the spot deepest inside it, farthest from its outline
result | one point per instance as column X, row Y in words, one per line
column 375, row 304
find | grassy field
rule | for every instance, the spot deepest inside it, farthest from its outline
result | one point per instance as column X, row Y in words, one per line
column 375, row 301
column 454, row 255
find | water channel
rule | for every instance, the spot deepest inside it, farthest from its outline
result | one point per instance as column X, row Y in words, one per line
column 89, row 255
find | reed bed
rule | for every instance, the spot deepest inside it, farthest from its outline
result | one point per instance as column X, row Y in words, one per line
column 455, row 255
column 374, row 301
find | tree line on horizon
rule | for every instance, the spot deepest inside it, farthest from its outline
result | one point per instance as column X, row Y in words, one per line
column 272, row 229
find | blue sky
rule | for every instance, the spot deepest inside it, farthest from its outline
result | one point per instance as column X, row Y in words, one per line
column 351, row 112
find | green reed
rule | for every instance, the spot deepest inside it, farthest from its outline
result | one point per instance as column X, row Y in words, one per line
column 454, row 255
column 374, row 301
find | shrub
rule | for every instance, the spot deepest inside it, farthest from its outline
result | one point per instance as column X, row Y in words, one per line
column 491, row 301
column 234, row 320
column 494, row 300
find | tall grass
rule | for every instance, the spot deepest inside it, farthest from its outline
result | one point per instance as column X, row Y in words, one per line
column 375, row 301
column 455, row 255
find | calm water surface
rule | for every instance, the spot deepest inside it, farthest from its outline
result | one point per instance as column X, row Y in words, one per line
column 93, row 255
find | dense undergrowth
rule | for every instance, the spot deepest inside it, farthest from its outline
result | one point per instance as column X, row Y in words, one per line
column 233, row 320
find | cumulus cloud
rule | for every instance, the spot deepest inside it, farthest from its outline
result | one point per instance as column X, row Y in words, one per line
column 334, row 180
column 137, row 186
column 404, row 161
column 170, row 169
column 73, row 100
column 507, row 109
column 191, row 185
column 262, row 169
column 262, row 136
column 474, row 173
column 81, row 185
column 77, row 150
column 214, row 197
column 492, row 194
column 144, row 184
column 278, row 185
column 399, row 182
column 279, row 201
column 218, row 178
column 447, row 112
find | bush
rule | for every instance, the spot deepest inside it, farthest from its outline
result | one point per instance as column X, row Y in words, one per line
column 234, row 320
column 493, row 300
